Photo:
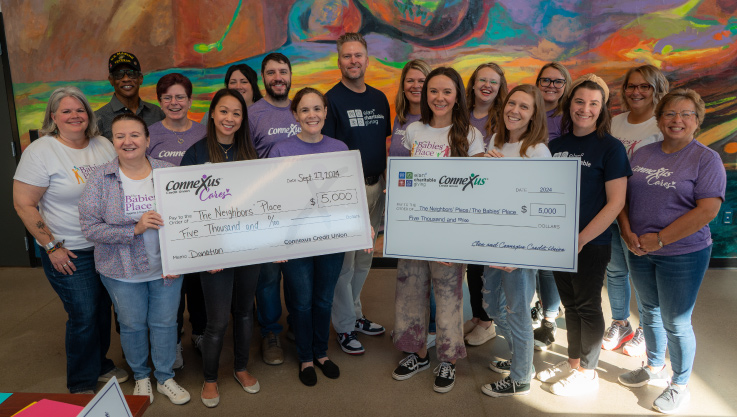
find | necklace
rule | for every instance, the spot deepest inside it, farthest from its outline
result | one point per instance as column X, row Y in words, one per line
column 225, row 151
column 180, row 140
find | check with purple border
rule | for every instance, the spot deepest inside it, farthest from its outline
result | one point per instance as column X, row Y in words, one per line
column 518, row 212
column 250, row 212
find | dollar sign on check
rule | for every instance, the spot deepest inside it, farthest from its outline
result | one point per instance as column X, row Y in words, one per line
column 312, row 201
column 524, row 209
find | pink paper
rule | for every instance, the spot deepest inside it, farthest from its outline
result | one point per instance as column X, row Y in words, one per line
column 45, row 408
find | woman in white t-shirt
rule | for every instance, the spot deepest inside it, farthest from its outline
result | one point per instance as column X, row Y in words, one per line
column 642, row 89
column 48, row 182
column 443, row 130
column 117, row 211
column 508, row 291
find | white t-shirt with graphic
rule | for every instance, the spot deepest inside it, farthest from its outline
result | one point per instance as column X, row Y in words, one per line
column 139, row 197
column 634, row 137
column 512, row 150
column 63, row 171
column 427, row 141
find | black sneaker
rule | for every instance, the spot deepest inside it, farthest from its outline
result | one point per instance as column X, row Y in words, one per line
column 505, row 388
column 537, row 314
column 545, row 334
column 446, row 377
column 409, row 366
column 368, row 327
column 502, row 367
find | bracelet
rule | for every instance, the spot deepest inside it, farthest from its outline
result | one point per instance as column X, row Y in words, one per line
column 660, row 242
column 56, row 246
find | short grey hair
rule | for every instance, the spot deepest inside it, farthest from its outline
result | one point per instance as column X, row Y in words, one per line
column 49, row 126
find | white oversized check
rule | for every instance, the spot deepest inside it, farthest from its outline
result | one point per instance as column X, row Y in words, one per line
column 242, row 213
column 516, row 212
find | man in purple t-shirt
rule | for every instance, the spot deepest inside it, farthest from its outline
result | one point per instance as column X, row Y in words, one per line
column 270, row 118
column 271, row 121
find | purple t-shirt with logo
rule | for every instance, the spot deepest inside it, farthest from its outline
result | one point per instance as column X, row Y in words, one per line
column 295, row 146
column 270, row 125
column 664, row 187
column 170, row 146
column 397, row 148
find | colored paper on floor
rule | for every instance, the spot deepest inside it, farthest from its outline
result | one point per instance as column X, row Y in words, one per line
column 4, row 396
column 45, row 408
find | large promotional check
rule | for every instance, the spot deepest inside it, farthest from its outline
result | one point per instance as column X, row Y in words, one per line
column 502, row 211
column 241, row 213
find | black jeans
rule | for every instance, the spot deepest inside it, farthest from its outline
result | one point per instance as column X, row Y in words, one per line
column 475, row 284
column 580, row 294
column 192, row 289
column 236, row 286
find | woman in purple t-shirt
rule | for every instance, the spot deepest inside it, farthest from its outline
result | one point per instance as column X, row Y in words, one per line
column 676, row 189
column 485, row 94
column 311, row 281
column 407, row 103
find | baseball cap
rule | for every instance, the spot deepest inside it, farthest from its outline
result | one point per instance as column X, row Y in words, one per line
column 123, row 58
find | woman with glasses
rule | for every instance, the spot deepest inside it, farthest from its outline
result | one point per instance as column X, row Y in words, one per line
column 170, row 138
column 485, row 94
column 642, row 89
column 677, row 188
column 554, row 83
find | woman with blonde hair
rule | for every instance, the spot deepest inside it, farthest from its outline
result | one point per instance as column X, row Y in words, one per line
column 407, row 102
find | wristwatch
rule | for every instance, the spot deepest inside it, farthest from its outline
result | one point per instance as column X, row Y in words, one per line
column 660, row 242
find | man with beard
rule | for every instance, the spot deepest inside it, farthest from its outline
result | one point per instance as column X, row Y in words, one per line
column 358, row 114
column 126, row 78
column 271, row 121
column 270, row 118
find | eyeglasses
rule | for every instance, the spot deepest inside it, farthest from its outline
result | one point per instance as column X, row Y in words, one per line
column 685, row 115
column 120, row 74
column 180, row 98
column 643, row 88
column 483, row 81
column 558, row 83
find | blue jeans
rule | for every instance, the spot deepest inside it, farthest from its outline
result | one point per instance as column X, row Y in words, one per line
column 617, row 278
column 548, row 293
column 88, row 320
column 507, row 297
column 311, row 285
column 147, row 310
column 431, row 326
column 668, row 286
column 234, row 287
column 268, row 299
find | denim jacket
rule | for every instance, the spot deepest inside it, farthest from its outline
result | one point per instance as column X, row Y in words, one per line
column 118, row 252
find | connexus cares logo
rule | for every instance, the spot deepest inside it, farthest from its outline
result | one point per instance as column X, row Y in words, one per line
column 471, row 180
column 203, row 188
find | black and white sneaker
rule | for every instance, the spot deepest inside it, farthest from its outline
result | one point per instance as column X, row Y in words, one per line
column 368, row 327
column 502, row 367
column 506, row 388
column 350, row 344
column 409, row 366
column 545, row 334
column 445, row 377
column 537, row 314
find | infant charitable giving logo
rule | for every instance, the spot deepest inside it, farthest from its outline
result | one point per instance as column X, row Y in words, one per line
column 410, row 179
column 204, row 188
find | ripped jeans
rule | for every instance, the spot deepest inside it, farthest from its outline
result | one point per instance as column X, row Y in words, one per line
column 507, row 298
column 412, row 305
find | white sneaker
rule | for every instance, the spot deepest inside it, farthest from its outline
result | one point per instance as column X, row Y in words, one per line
column 560, row 370
column 577, row 383
column 179, row 360
column 143, row 387
column 479, row 335
column 170, row 388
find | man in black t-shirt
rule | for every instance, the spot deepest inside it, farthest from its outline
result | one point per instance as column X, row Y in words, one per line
column 358, row 115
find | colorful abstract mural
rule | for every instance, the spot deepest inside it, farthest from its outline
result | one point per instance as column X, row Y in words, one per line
column 54, row 43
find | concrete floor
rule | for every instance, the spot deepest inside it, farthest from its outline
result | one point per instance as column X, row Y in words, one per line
column 32, row 359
